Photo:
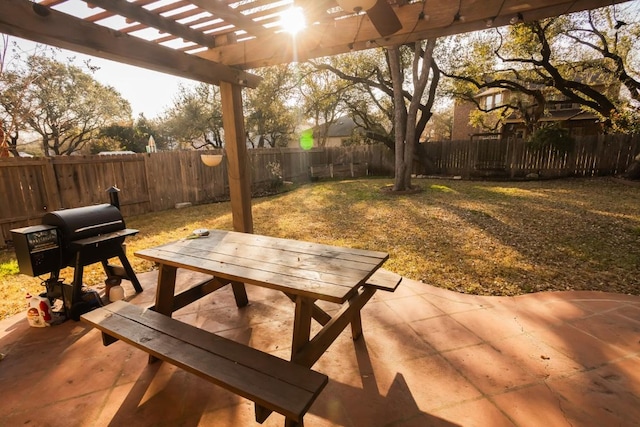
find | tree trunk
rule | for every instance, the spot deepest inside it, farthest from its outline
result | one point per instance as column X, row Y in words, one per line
column 406, row 121
column 400, row 183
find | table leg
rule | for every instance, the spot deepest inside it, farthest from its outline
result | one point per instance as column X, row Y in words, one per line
column 301, row 325
column 240, row 294
column 356, row 326
column 166, row 289
column 318, row 314
column 164, row 293
column 307, row 351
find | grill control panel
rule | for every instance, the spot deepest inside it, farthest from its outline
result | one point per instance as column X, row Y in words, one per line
column 37, row 249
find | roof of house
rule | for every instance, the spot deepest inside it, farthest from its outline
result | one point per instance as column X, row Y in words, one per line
column 341, row 127
column 573, row 114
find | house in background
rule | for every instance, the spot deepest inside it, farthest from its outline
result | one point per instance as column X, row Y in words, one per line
column 335, row 134
column 559, row 110
column 578, row 121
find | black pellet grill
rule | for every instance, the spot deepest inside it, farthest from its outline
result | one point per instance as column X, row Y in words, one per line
column 74, row 238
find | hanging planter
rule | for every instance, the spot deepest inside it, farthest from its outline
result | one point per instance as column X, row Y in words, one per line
column 211, row 159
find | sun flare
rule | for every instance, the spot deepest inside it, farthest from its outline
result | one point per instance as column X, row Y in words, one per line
column 292, row 20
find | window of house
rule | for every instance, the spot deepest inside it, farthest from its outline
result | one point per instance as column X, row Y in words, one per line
column 520, row 133
column 493, row 100
column 498, row 99
column 488, row 102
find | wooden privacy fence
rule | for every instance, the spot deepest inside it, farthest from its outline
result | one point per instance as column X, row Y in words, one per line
column 592, row 156
column 158, row 181
column 150, row 182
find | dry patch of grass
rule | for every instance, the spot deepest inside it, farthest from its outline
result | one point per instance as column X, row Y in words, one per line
column 477, row 237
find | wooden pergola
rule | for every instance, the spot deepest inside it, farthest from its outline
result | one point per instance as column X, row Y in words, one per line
column 216, row 41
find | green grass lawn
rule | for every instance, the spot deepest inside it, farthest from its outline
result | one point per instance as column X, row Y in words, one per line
column 490, row 238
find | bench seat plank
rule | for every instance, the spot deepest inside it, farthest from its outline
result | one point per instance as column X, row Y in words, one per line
column 270, row 382
column 384, row 280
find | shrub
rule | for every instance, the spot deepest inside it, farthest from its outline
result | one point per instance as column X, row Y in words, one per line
column 275, row 170
column 551, row 136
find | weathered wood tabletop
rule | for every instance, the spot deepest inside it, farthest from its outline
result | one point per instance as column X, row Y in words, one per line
column 304, row 271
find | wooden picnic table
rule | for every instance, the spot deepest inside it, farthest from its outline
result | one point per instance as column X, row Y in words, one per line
column 306, row 272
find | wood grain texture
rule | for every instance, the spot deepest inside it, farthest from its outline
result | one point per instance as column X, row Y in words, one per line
column 312, row 270
column 273, row 383
column 384, row 280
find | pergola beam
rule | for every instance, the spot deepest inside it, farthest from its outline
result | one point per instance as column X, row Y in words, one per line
column 22, row 18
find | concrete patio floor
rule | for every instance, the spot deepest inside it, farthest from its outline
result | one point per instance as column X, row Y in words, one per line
column 429, row 357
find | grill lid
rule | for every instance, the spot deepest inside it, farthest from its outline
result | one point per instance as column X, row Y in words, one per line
column 87, row 221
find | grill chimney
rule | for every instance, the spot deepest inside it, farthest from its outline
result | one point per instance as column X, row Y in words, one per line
column 113, row 196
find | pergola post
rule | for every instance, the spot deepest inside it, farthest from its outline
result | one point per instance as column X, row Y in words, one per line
column 237, row 157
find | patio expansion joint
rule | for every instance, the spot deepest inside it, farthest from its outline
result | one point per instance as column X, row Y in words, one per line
column 558, row 399
column 580, row 330
column 471, row 310
column 611, row 310
column 546, row 381
column 471, row 400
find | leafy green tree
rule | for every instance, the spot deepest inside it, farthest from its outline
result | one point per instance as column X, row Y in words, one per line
column 440, row 126
column 321, row 90
column 612, row 36
column 131, row 136
column 368, row 99
column 401, row 83
column 542, row 63
column 15, row 83
column 144, row 129
column 551, row 136
column 115, row 137
column 62, row 103
column 271, row 120
column 196, row 117
column 104, row 143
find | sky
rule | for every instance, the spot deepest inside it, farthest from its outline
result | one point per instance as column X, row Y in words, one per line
column 148, row 92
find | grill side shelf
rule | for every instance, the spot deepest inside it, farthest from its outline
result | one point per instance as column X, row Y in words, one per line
column 104, row 237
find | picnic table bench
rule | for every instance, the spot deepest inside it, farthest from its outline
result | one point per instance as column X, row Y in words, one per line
column 384, row 280
column 272, row 383
column 305, row 272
